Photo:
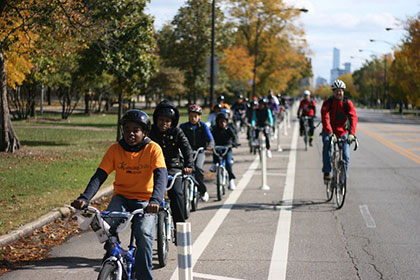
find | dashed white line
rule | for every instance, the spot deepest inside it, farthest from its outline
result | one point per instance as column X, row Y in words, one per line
column 370, row 222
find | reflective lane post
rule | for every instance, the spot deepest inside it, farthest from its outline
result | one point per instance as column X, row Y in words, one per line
column 263, row 158
column 184, row 245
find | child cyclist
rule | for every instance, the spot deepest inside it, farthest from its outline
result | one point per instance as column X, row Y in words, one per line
column 140, row 182
column 176, row 150
column 198, row 135
column 263, row 117
column 224, row 135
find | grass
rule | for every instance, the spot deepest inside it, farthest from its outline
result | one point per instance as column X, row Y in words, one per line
column 54, row 165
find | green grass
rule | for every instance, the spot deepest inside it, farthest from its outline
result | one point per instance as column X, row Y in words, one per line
column 54, row 164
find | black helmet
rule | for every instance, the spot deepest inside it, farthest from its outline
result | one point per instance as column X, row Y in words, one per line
column 240, row 96
column 137, row 116
column 195, row 108
column 167, row 109
column 246, row 99
column 254, row 103
column 217, row 106
column 222, row 115
column 220, row 98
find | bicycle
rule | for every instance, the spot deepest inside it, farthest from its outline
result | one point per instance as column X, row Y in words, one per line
column 338, row 181
column 261, row 138
column 194, row 193
column 306, row 130
column 120, row 262
column 190, row 188
column 222, row 176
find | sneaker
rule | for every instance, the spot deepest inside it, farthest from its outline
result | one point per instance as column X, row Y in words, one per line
column 205, row 197
column 232, row 185
column 213, row 168
column 327, row 177
column 269, row 155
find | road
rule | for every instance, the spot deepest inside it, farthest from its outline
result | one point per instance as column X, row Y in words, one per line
column 289, row 231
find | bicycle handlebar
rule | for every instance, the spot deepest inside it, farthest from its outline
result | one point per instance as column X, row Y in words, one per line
column 223, row 150
column 172, row 179
column 196, row 152
column 341, row 140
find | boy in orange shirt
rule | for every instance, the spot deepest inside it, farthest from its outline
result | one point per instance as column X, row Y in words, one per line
column 140, row 182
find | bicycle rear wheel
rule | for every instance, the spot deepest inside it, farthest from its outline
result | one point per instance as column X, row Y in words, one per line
column 341, row 189
column 306, row 135
column 162, row 238
column 187, row 184
column 109, row 271
column 219, row 183
column 194, row 202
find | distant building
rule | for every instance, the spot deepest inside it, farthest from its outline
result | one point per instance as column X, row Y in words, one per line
column 336, row 71
column 321, row 82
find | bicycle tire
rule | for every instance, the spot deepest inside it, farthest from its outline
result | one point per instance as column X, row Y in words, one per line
column 219, row 180
column 194, row 202
column 329, row 190
column 162, row 238
column 225, row 180
column 341, row 188
column 109, row 271
column 187, row 199
column 306, row 135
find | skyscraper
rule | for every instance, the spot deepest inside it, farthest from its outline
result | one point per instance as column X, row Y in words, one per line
column 336, row 58
column 336, row 71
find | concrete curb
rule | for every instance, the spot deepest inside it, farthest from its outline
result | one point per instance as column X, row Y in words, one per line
column 64, row 211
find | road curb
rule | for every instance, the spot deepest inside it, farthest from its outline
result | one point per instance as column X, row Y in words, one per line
column 63, row 211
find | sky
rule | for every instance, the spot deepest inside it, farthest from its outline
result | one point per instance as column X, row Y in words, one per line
column 344, row 24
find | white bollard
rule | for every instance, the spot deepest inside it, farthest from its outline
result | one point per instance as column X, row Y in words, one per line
column 285, row 122
column 279, row 149
column 184, row 245
column 263, row 155
column 288, row 118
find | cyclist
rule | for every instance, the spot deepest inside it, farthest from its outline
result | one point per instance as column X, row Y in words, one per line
column 140, row 182
column 263, row 117
column 221, row 101
column 176, row 150
column 198, row 135
column 224, row 135
column 239, row 110
column 211, row 120
column 307, row 108
column 336, row 111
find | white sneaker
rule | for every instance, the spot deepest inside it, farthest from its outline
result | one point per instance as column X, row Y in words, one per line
column 232, row 185
column 213, row 168
column 269, row 155
column 205, row 197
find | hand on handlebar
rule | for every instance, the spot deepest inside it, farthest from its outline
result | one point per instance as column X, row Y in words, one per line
column 79, row 204
column 351, row 138
column 152, row 208
column 187, row 170
column 332, row 137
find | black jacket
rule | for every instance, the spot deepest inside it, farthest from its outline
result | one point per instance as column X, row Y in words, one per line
column 224, row 136
column 172, row 141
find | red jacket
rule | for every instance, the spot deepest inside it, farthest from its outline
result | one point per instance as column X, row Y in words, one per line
column 334, row 119
column 307, row 108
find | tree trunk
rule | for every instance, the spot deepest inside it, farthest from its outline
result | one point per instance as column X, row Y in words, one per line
column 120, row 111
column 8, row 139
column 87, row 99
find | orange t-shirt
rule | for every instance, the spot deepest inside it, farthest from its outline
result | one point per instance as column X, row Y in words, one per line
column 134, row 170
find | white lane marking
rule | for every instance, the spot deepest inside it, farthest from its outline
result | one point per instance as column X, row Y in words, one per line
column 370, row 222
column 278, row 264
column 210, row 230
column 272, row 174
column 213, row 277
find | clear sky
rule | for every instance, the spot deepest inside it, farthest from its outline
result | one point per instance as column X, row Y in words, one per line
column 345, row 24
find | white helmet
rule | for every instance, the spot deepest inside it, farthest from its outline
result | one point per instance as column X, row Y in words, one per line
column 338, row 84
column 307, row 92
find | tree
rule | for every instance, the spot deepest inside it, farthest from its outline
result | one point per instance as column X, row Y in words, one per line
column 264, row 29
column 238, row 64
column 350, row 87
column 168, row 82
column 185, row 43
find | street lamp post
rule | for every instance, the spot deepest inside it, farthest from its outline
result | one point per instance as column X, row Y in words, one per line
column 212, row 54
column 257, row 35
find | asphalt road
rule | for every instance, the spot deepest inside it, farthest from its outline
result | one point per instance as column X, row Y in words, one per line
column 289, row 231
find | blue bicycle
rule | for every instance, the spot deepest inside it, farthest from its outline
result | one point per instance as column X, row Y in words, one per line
column 120, row 262
column 222, row 176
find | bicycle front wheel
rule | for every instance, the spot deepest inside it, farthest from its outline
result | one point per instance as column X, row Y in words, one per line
column 194, row 202
column 328, row 190
column 341, row 189
column 219, row 183
column 162, row 238
column 109, row 271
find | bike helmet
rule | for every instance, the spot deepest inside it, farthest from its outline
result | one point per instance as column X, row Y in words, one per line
column 254, row 103
column 195, row 108
column 246, row 99
column 220, row 98
column 240, row 96
column 222, row 115
column 338, row 84
column 137, row 116
column 262, row 100
column 166, row 109
column 307, row 92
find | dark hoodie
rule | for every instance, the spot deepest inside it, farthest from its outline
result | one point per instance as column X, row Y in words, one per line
column 172, row 140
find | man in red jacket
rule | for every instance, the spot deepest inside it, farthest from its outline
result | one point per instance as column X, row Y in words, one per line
column 307, row 108
column 339, row 119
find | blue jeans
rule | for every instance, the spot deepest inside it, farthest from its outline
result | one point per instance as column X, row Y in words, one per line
column 143, row 232
column 326, row 152
column 229, row 165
